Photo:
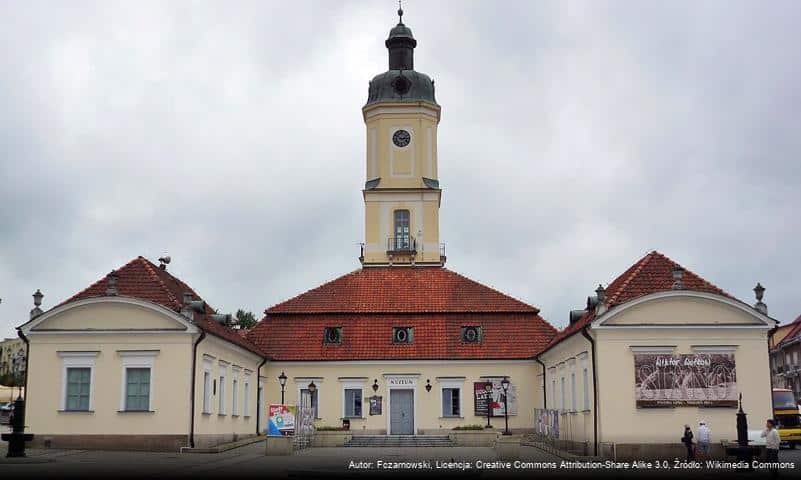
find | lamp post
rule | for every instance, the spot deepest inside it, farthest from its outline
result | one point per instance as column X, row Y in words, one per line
column 488, row 390
column 282, row 381
column 312, row 388
column 505, row 385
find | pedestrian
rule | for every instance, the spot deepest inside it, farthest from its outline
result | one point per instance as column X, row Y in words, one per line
column 772, row 441
column 704, row 439
column 687, row 440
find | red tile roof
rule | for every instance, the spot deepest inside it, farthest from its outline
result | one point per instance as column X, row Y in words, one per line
column 141, row 279
column 794, row 332
column 368, row 303
column 401, row 290
column 652, row 273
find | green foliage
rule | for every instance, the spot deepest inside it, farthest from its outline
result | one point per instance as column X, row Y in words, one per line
column 470, row 427
column 245, row 319
column 328, row 428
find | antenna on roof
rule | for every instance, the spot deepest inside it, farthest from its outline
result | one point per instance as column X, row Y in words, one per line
column 164, row 261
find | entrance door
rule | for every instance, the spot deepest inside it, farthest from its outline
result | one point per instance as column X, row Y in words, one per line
column 401, row 414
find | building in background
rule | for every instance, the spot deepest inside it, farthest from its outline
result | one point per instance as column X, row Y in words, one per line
column 12, row 361
column 785, row 350
column 656, row 349
column 139, row 361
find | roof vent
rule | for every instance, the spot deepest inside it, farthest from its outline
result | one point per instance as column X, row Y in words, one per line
column 575, row 315
column 760, row 306
column 678, row 273
column 592, row 302
column 164, row 261
column 224, row 319
column 111, row 283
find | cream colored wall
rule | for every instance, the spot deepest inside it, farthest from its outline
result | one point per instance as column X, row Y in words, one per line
column 401, row 168
column 109, row 316
column 213, row 423
column 570, row 356
column 683, row 310
column 330, row 378
column 170, row 385
column 622, row 422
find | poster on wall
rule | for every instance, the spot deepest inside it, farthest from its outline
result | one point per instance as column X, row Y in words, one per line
column 704, row 379
column 281, row 420
column 495, row 399
column 375, row 405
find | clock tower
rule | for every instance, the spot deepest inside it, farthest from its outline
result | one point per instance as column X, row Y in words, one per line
column 401, row 193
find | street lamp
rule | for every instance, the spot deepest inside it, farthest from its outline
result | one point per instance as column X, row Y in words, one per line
column 312, row 388
column 505, row 385
column 282, row 381
column 488, row 390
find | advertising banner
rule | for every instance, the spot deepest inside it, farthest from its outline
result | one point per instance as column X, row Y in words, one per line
column 703, row 379
column 495, row 399
column 281, row 420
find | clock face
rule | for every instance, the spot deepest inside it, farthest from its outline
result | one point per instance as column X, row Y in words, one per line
column 401, row 138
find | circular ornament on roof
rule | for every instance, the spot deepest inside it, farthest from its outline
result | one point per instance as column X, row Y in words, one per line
column 401, row 85
column 401, row 138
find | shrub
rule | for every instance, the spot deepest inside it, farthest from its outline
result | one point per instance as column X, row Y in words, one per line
column 469, row 427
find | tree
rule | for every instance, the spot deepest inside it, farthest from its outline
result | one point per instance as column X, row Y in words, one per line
column 245, row 319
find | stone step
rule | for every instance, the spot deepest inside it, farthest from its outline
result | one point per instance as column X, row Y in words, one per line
column 400, row 441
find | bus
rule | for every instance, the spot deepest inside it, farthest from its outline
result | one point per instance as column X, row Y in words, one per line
column 786, row 414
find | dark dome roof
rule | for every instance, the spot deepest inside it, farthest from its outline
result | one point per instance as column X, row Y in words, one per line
column 400, row 31
column 401, row 86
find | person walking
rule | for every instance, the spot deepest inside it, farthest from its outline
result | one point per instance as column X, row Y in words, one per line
column 704, row 439
column 687, row 440
column 772, row 442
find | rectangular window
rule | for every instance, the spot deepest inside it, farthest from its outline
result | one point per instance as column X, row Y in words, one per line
column 553, row 393
column 78, row 388
column 247, row 399
column 206, row 392
column 353, row 402
column 221, row 410
column 563, row 394
column 586, row 383
column 450, row 402
column 235, row 397
column 573, row 390
column 402, row 236
column 137, row 389
column 308, row 400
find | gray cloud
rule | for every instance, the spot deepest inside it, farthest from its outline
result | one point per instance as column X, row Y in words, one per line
column 575, row 137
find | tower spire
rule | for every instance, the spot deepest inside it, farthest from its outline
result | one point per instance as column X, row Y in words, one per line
column 400, row 13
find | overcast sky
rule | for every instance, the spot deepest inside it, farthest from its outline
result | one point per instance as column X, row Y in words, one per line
column 575, row 137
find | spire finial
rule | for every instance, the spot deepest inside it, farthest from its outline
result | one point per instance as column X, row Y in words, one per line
column 400, row 13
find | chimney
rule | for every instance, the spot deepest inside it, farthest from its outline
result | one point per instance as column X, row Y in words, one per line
column 37, row 302
column 760, row 306
column 111, row 283
column 678, row 273
column 164, row 261
column 186, row 310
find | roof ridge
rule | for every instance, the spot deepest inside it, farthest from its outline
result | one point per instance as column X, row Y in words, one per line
column 699, row 277
column 279, row 304
column 536, row 309
column 149, row 266
column 95, row 283
column 638, row 266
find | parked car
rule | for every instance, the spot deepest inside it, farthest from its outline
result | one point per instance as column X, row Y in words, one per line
column 6, row 410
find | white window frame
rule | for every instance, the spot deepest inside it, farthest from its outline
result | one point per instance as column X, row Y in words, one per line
column 77, row 360
column 246, row 400
column 137, row 359
column 349, row 385
column 235, row 370
column 451, row 383
column 208, row 380
column 221, row 390
column 302, row 383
